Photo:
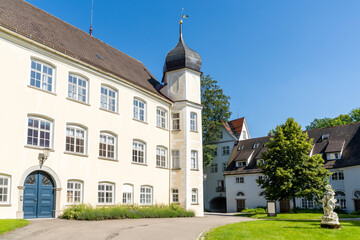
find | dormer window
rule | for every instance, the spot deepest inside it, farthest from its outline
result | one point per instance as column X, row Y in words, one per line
column 325, row 136
column 256, row 145
column 333, row 156
column 240, row 163
column 240, row 148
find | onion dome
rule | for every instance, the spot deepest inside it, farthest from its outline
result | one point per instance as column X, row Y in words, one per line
column 181, row 56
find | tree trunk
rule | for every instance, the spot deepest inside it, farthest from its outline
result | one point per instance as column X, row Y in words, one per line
column 294, row 205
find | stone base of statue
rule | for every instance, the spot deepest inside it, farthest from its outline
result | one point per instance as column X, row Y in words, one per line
column 331, row 221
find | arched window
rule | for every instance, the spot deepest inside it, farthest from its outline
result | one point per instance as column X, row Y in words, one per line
column 4, row 189
column 161, row 157
column 262, row 194
column 74, row 191
column 341, row 201
column 78, row 88
column 108, row 100
column 42, row 76
column 75, row 139
column 357, row 193
column 161, row 118
column 107, row 145
column 138, row 153
column 146, row 195
column 39, row 132
column 128, row 190
column 139, row 110
column 106, row 193
column 240, row 194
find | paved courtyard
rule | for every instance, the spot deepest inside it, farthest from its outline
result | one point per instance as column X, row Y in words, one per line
column 159, row 229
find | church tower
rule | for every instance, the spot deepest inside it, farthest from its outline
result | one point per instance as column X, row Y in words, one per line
column 182, row 85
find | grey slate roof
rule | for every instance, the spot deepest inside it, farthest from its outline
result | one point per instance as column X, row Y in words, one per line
column 32, row 22
column 346, row 137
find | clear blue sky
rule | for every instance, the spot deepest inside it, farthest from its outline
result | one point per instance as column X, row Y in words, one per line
column 275, row 59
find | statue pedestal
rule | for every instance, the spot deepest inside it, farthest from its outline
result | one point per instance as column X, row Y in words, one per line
column 331, row 226
column 331, row 222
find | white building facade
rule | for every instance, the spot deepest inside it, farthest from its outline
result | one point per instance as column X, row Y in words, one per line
column 110, row 135
column 339, row 147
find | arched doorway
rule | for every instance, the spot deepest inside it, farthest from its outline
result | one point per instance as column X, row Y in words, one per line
column 38, row 195
column 218, row 204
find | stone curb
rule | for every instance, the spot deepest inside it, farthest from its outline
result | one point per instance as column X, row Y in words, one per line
column 202, row 234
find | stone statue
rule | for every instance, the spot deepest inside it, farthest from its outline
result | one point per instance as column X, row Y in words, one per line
column 330, row 218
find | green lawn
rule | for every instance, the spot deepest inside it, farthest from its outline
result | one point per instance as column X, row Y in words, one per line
column 7, row 225
column 295, row 216
column 295, row 229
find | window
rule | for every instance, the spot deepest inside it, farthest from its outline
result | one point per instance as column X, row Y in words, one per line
column 225, row 150
column 74, row 192
column 161, row 118
column 260, row 161
column 175, row 195
column 42, row 76
column 214, row 168
column 107, row 145
column 106, row 193
column 39, row 131
column 145, row 195
column 139, row 110
column 261, row 178
column 333, row 156
column 75, row 139
column 240, row 148
column 175, row 159
column 240, row 194
column 78, row 88
column 215, row 152
column 224, row 166
column 193, row 121
column 108, row 99
column 239, row 179
column 307, row 203
column 4, row 189
column 244, row 135
column 161, row 157
column 194, row 160
column 337, row 175
column 240, row 163
column 341, row 201
column 221, row 135
column 194, row 196
column 262, row 194
column 325, row 136
column 127, row 194
column 256, row 145
column 176, row 121
column 138, row 155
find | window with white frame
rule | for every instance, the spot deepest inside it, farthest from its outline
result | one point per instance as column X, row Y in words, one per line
column 239, row 180
column 161, row 157
column 337, row 176
column 214, row 168
column 194, row 160
column 193, row 121
column 39, row 132
column 224, row 166
column 74, row 192
column 108, row 99
column 333, row 156
column 78, row 88
column 138, row 153
column 4, row 189
column 225, row 150
column 175, row 195
column 215, row 152
column 146, row 195
column 240, row 163
column 161, row 118
column 106, row 193
column 340, row 197
column 176, row 121
column 75, row 139
column 42, row 76
column 194, row 196
column 261, row 178
column 175, row 154
column 107, row 145
column 127, row 194
column 307, row 203
column 139, row 110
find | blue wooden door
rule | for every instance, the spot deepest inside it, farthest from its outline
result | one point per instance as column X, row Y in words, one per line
column 38, row 196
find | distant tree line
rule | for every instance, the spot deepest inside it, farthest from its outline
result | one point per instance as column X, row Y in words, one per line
column 343, row 119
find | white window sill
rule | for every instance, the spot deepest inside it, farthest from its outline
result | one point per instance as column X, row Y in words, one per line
column 109, row 111
column 176, row 169
column 195, row 204
column 76, row 154
column 194, row 131
column 73, row 204
column 42, row 90
column 165, row 129
column 141, row 164
column 105, row 204
column 162, row 167
column 37, row 147
column 77, row 101
column 176, row 130
column 193, row 169
column 135, row 119
column 5, row 204
column 108, row 159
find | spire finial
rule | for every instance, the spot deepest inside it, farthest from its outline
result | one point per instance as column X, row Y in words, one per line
column 92, row 7
column 183, row 16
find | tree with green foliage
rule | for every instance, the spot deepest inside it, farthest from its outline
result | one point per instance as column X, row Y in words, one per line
column 216, row 109
column 289, row 170
column 343, row 119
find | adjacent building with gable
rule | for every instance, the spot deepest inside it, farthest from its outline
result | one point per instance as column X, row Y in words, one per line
column 85, row 123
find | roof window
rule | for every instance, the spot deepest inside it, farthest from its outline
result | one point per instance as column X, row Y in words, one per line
column 240, row 148
column 256, row 145
column 325, row 136
column 99, row 57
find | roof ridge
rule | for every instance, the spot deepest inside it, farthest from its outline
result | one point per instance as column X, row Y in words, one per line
column 332, row 126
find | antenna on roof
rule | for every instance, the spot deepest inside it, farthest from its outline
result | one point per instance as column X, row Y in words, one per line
column 92, row 7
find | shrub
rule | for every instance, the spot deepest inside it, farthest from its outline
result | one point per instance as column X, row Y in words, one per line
column 88, row 212
column 254, row 210
column 309, row 210
column 355, row 212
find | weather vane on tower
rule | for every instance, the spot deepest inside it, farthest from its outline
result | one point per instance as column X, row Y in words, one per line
column 183, row 16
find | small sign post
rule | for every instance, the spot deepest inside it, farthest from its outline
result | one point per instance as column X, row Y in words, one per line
column 271, row 209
